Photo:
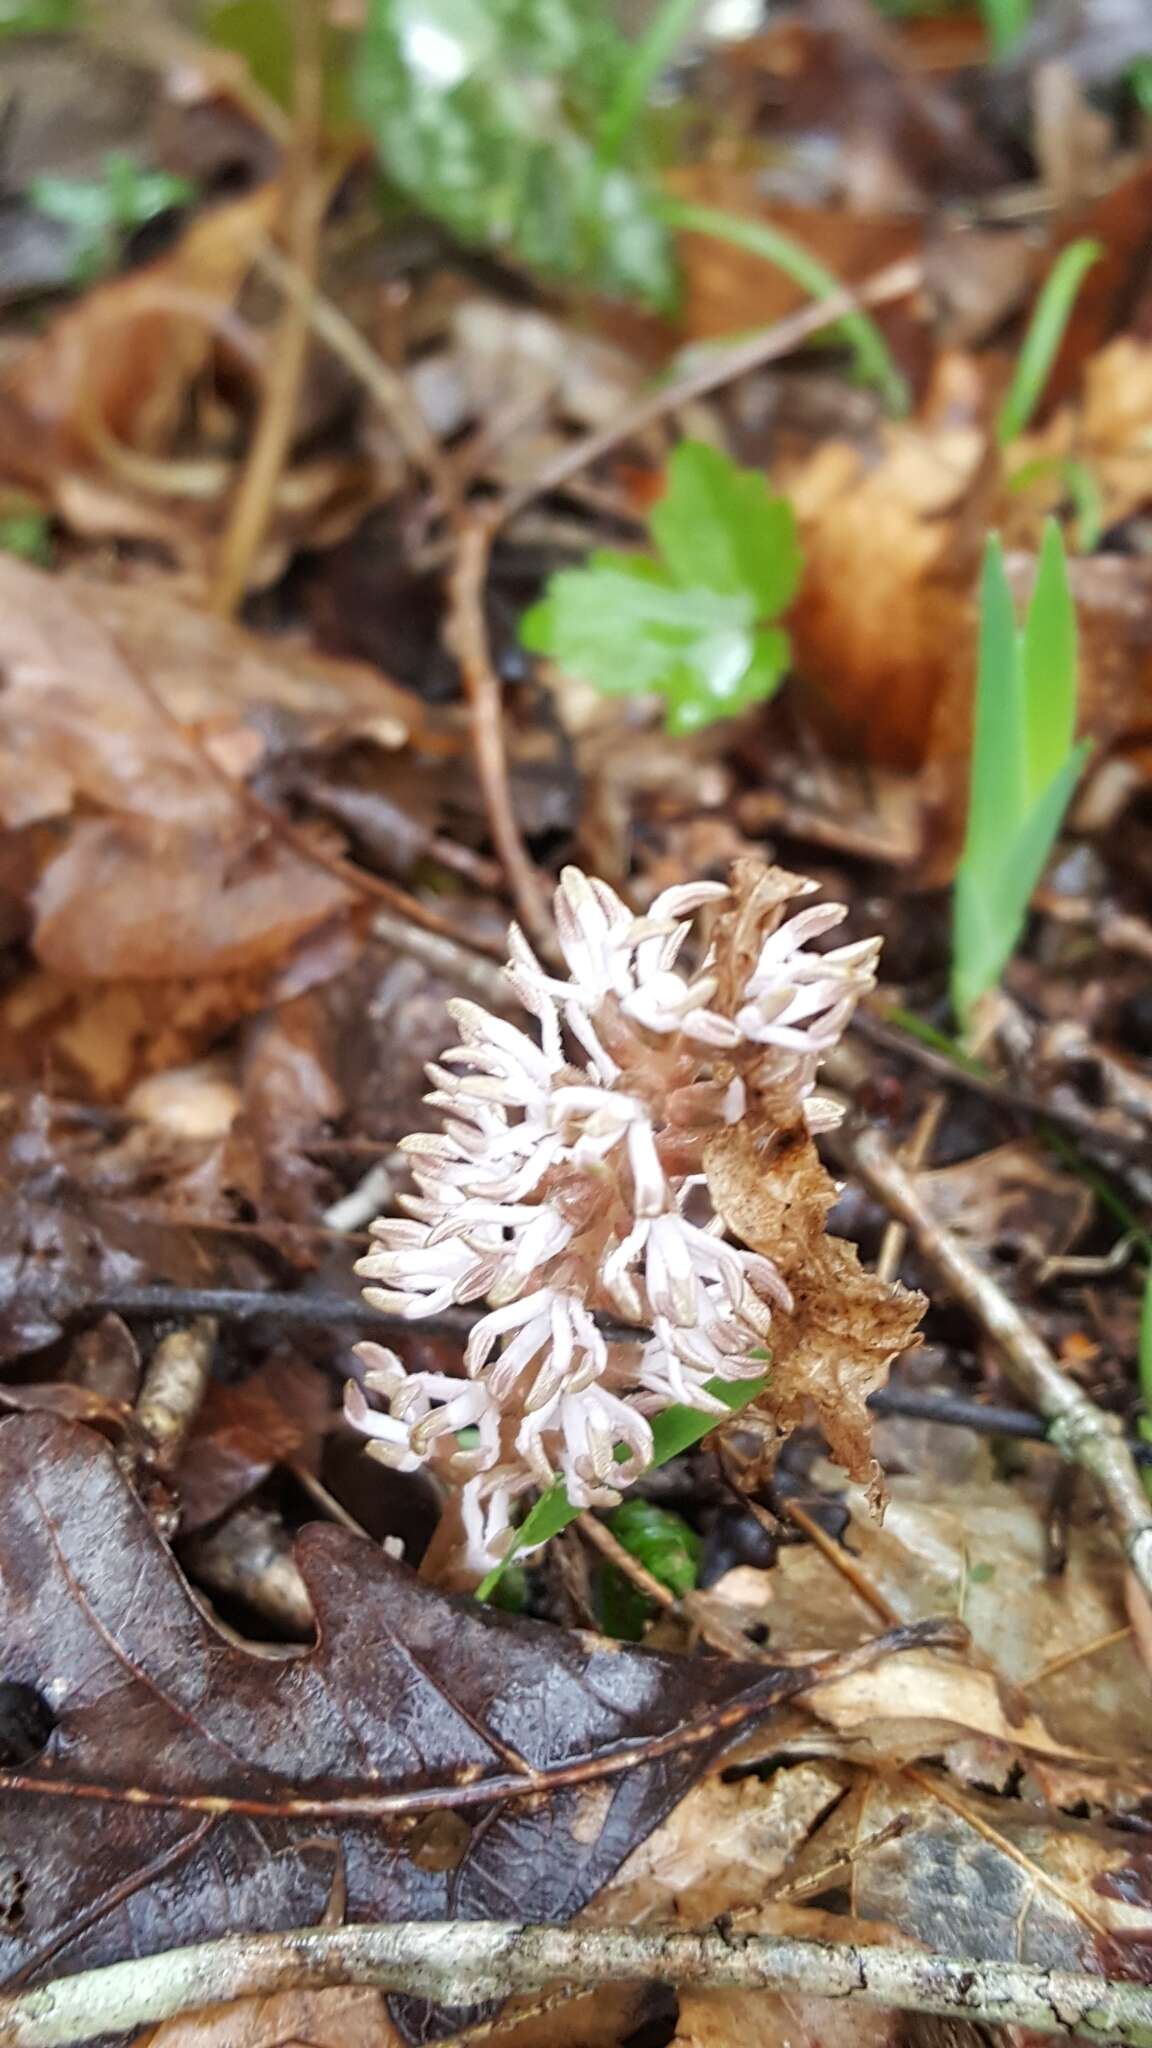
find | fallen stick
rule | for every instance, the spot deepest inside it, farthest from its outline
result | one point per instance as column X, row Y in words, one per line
column 463, row 1963
column 1076, row 1426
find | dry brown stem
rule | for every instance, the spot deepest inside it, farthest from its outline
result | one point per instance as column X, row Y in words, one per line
column 468, row 633
column 305, row 197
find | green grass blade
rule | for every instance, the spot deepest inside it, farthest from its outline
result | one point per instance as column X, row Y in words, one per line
column 673, row 1431
column 1005, row 22
column 998, row 787
column 874, row 359
column 1045, row 333
column 650, row 54
column 1049, row 654
column 992, row 895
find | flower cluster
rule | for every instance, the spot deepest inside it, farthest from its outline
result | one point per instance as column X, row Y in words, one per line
column 566, row 1190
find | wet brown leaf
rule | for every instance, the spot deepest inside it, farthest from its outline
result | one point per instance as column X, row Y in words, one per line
column 1009, row 1205
column 407, row 1693
column 122, row 358
column 845, row 1326
column 274, row 1417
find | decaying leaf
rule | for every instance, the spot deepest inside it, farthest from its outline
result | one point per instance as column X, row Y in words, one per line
column 1055, row 1680
column 119, row 362
column 232, row 1780
column 342, row 2017
column 1010, row 1204
column 845, row 1326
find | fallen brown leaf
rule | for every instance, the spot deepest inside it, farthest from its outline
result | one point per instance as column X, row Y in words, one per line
column 344, row 2017
column 845, row 1327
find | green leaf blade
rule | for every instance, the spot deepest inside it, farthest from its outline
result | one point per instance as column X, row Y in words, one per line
column 1049, row 654
column 674, row 1430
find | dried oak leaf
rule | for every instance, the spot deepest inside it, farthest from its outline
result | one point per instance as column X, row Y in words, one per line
column 845, row 1326
column 449, row 1762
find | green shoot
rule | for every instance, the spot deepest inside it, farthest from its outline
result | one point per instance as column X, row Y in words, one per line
column 1005, row 22
column 1046, row 331
column 1144, row 1371
column 648, row 59
column 691, row 627
column 101, row 211
column 665, row 1545
column 1024, row 765
column 673, row 1431
column 36, row 17
column 27, row 534
column 874, row 361
column 1080, row 487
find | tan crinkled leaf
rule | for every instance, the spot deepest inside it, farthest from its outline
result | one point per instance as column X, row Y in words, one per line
column 846, row 1326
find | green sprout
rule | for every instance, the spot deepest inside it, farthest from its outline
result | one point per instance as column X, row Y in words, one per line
column 666, row 1547
column 673, row 1431
column 101, row 211
column 1005, row 22
column 1046, row 331
column 873, row 358
column 1024, row 765
column 692, row 627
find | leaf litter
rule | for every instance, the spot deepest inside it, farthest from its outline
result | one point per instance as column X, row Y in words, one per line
column 212, row 1036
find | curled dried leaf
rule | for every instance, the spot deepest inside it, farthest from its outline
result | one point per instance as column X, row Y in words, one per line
column 845, row 1326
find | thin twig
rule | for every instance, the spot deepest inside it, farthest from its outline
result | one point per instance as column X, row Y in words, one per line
column 305, row 198
column 1077, row 1427
column 468, row 635
column 468, row 1962
column 896, row 281
column 383, row 384
column 340, row 1311
column 601, row 1538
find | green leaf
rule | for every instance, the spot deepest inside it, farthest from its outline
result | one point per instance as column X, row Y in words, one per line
column 1024, row 767
column 27, row 534
column 1050, row 665
column 721, row 528
column 875, row 363
column 991, row 899
column 1046, row 330
column 676, row 1429
column 99, row 211
column 486, row 113
column 690, row 628
column 999, row 775
column 659, row 1540
column 37, row 17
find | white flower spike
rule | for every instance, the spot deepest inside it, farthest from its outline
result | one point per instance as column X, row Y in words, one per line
column 566, row 1185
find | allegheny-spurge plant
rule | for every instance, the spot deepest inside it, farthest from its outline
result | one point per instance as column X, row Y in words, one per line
column 571, row 1187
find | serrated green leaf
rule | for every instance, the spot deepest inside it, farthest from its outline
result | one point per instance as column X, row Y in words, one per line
column 1049, row 653
column 721, row 528
column 673, row 1431
column 690, row 628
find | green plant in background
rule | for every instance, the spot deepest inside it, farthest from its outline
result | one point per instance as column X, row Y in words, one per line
column 1144, row 1368
column 100, row 211
column 691, row 627
column 515, row 123
column 873, row 358
column 1005, row 22
column 37, row 17
column 665, row 1545
column 1046, row 331
column 674, row 1430
column 27, row 534
column 1024, row 764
